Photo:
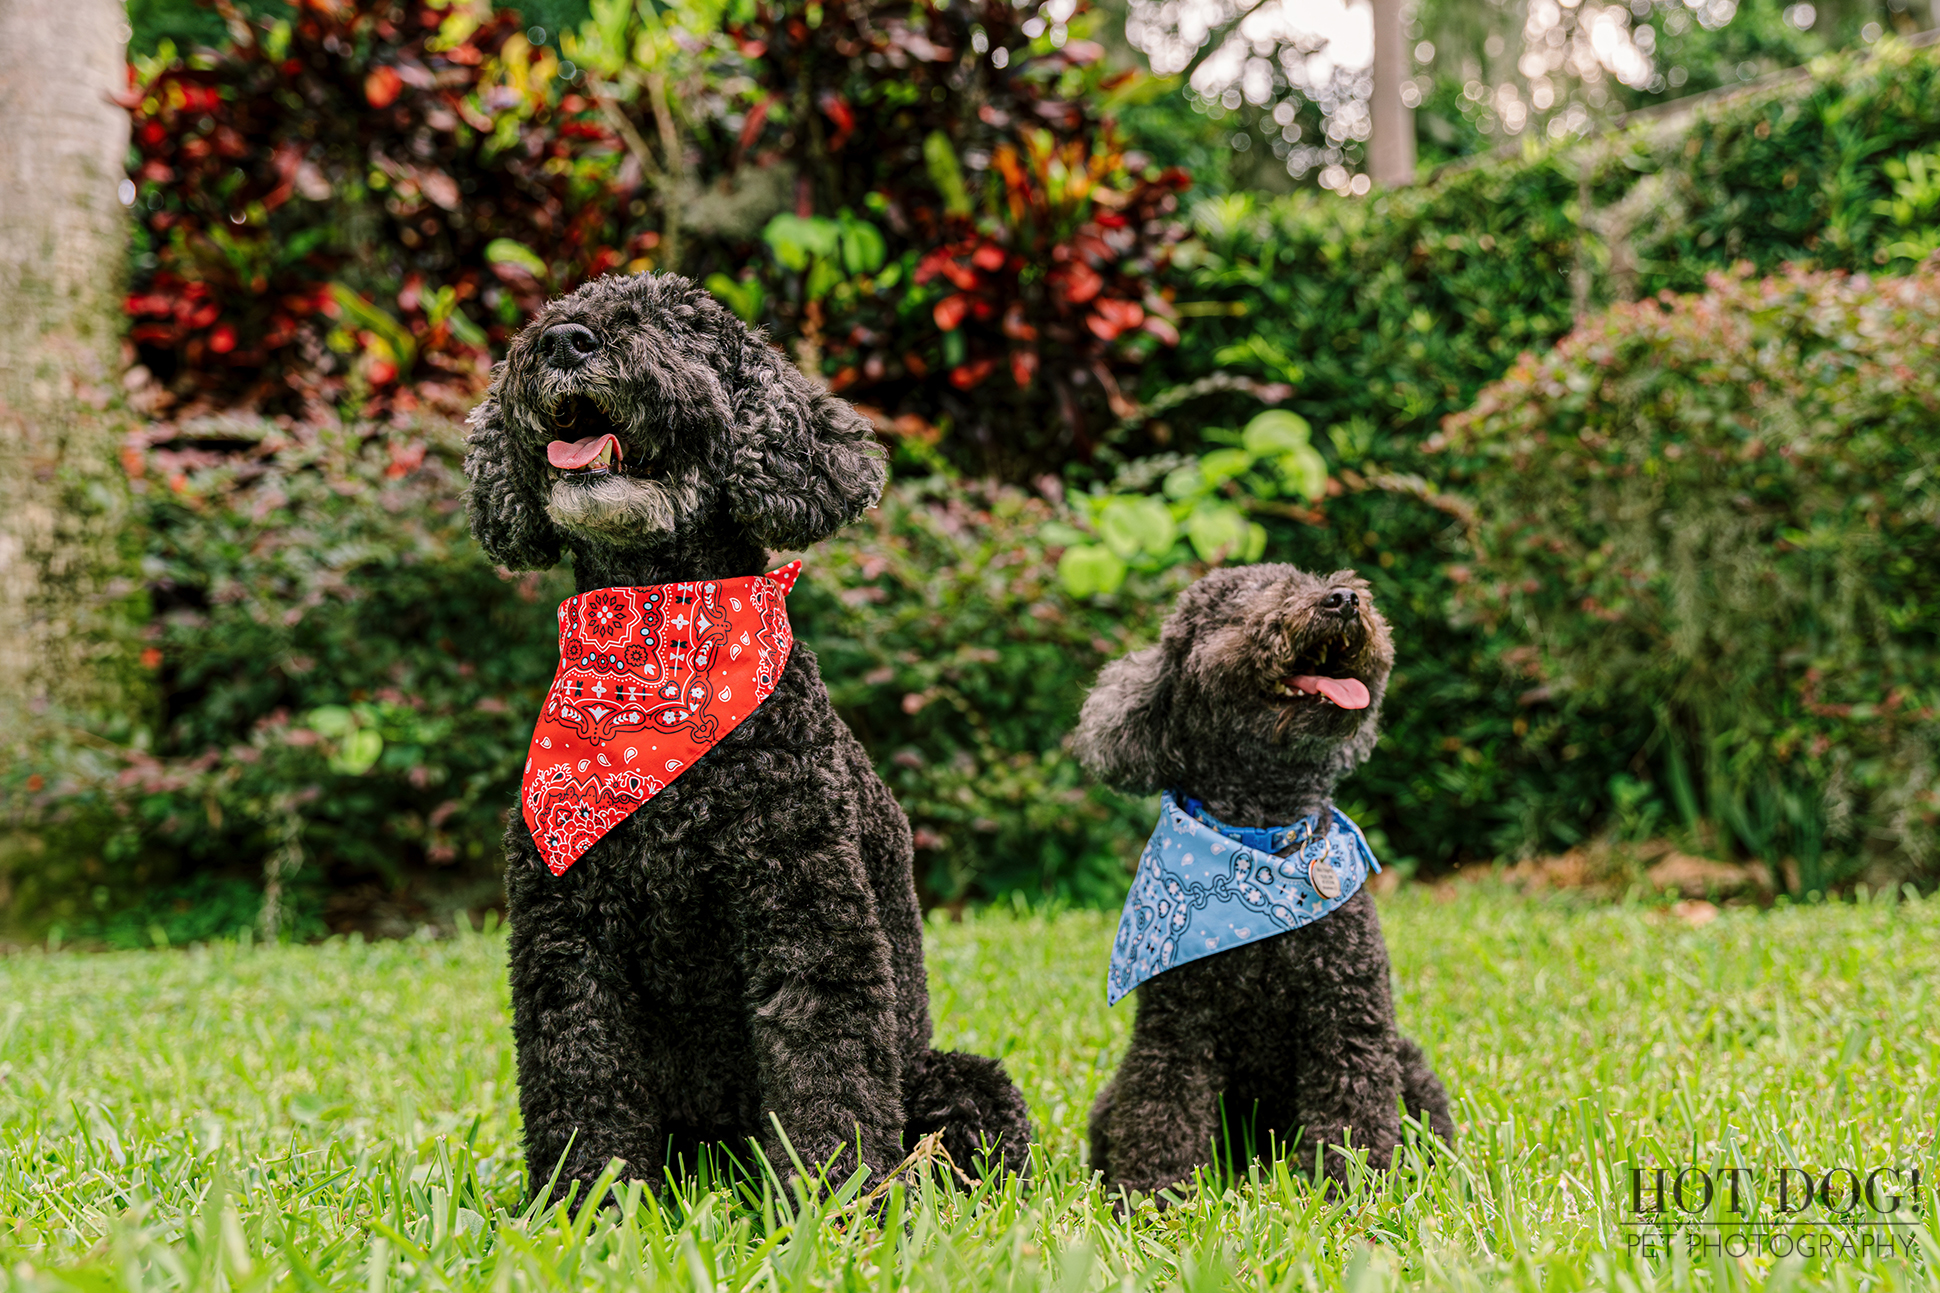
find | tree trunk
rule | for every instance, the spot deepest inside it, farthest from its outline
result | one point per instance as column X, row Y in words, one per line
column 63, row 244
column 1391, row 151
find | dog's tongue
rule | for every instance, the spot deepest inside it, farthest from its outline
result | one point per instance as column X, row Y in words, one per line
column 1348, row 693
column 567, row 457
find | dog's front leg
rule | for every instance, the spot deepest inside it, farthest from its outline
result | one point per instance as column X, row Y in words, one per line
column 1157, row 1120
column 822, row 1011
column 1347, row 1086
column 575, row 1022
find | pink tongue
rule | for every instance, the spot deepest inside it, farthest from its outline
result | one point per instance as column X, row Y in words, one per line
column 580, row 452
column 1348, row 693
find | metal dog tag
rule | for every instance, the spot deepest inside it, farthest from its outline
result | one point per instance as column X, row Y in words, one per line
column 1325, row 881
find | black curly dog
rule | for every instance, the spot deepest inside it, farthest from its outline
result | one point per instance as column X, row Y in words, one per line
column 746, row 948
column 1296, row 1032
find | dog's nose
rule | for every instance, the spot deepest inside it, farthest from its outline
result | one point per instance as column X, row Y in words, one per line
column 568, row 344
column 1342, row 601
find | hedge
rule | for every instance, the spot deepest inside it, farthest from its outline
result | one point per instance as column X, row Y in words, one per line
column 1720, row 509
column 1396, row 312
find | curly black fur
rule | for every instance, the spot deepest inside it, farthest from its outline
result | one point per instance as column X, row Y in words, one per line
column 1295, row 1033
column 749, row 942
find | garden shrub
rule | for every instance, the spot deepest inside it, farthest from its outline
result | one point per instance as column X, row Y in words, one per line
column 1813, row 173
column 1721, row 510
column 1392, row 313
column 345, row 204
column 973, row 245
column 346, row 692
column 347, row 689
column 1385, row 316
column 951, row 648
column 332, row 207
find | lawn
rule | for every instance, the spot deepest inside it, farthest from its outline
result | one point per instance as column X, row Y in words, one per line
column 344, row 1116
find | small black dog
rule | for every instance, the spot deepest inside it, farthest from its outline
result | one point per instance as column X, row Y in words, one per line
column 746, row 946
column 1264, row 691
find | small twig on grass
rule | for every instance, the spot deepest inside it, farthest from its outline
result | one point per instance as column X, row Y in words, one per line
column 928, row 1150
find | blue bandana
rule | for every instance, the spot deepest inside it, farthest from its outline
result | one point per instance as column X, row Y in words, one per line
column 1204, row 887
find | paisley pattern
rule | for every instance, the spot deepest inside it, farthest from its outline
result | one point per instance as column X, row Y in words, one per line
column 649, row 679
column 1204, row 887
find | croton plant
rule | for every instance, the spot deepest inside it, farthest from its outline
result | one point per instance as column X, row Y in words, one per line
column 356, row 201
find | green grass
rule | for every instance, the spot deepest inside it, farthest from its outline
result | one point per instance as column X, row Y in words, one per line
column 344, row 1116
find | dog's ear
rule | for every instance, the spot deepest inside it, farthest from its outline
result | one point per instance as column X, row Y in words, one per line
column 506, row 501
column 1121, row 734
column 804, row 463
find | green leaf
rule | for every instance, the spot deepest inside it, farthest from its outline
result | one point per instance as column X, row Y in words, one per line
column 945, row 173
column 1131, row 523
column 503, row 251
column 822, row 278
column 1217, row 531
column 464, row 329
column 1305, row 472
column 744, row 298
column 404, row 347
column 1221, row 465
column 1056, row 534
column 1353, row 439
column 333, row 721
column 1224, row 217
column 1090, row 568
column 1258, row 350
column 1275, row 431
column 1185, row 482
column 1255, row 541
column 302, row 243
column 441, row 307
column 358, row 746
column 358, row 752
column 796, row 240
column 863, row 248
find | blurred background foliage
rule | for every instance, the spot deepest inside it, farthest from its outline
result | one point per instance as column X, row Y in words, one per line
column 1275, row 92
column 1721, row 508
column 1103, row 351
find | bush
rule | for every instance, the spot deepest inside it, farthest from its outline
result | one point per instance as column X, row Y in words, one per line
column 340, row 204
column 1718, row 511
column 343, row 205
column 347, row 693
column 950, row 647
column 1390, row 314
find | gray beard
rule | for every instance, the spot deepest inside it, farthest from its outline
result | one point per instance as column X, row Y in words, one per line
column 622, row 507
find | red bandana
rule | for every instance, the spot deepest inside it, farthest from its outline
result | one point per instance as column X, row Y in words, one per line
column 649, row 679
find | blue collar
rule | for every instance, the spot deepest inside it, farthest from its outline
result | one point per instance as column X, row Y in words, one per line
column 1261, row 839
column 1204, row 887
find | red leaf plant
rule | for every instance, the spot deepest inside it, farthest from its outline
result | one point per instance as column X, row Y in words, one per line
column 318, row 204
column 1026, row 247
